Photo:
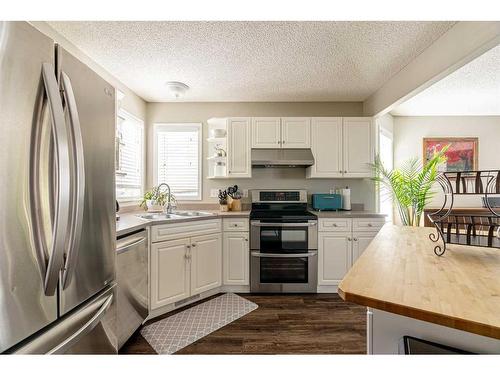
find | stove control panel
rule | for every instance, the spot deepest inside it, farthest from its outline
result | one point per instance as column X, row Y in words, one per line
column 279, row 196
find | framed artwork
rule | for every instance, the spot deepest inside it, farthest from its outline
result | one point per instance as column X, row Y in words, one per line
column 461, row 155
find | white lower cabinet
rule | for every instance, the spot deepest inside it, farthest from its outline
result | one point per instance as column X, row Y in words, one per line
column 338, row 250
column 206, row 263
column 170, row 272
column 185, row 267
column 236, row 258
column 360, row 242
column 335, row 257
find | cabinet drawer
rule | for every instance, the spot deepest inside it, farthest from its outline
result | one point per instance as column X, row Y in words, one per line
column 334, row 225
column 173, row 231
column 367, row 225
column 235, row 225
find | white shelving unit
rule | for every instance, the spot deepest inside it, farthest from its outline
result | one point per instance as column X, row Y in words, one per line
column 217, row 165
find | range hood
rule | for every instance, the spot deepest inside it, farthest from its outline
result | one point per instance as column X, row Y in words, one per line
column 282, row 157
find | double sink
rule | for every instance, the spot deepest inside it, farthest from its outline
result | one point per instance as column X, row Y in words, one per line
column 174, row 216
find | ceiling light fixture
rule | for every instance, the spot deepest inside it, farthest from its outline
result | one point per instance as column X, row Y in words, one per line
column 177, row 89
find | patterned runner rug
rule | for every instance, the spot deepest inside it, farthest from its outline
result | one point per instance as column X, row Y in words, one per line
column 175, row 332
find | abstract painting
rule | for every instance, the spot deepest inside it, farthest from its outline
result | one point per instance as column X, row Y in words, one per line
column 461, row 155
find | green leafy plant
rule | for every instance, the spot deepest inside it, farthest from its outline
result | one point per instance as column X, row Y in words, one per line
column 410, row 185
column 157, row 196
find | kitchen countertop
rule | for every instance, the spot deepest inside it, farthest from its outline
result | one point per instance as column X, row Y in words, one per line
column 347, row 214
column 129, row 222
column 400, row 273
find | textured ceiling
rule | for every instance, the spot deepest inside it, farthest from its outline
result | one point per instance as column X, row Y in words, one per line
column 472, row 90
column 254, row 61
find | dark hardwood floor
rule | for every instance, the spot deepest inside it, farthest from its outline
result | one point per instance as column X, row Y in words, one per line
column 283, row 324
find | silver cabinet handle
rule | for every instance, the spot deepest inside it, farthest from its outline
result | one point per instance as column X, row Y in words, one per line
column 78, row 180
column 272, row 255
column 349, row 239
column 370, row 224
column 355, row 239
column 62, row 182
column 124, row 249
column 193, row 245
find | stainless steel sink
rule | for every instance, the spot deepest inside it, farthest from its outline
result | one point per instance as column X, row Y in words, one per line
column 159, row 216
column 175, row 216
column 193, row 213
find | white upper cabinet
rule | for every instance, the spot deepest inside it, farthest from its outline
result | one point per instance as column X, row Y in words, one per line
column 295, row 132
column 266, row 132
column 284, row 132
column 238, row 148
column 342, row 147
column 358, row 146
column 232, row 136
column 326, row 146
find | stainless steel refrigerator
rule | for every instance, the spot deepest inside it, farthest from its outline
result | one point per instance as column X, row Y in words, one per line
column 57, row 199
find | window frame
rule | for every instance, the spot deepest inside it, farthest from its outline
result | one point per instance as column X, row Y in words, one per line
column 128, row 116
column 172, row 125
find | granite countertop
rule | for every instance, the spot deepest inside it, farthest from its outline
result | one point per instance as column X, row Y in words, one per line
column 129, row 222
column 459, row 289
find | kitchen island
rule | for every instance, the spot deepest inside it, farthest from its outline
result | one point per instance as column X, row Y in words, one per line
column 453, row 300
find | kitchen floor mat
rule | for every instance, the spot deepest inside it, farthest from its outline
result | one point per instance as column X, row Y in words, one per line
column 173, row 333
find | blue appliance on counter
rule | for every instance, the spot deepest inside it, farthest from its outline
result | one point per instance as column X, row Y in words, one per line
column 326, row 202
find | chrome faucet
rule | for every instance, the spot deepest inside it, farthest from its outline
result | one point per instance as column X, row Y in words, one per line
column 169, row 204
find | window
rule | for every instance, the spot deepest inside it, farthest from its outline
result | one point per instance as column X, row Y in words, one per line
column 178, row 159
column 129, row 158
column 386, row 156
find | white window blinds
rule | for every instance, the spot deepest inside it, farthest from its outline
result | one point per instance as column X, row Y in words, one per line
column 178, row 159
column 129, row 157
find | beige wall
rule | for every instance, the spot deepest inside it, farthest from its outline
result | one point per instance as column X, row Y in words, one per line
column 362, row 190
column 409, row 132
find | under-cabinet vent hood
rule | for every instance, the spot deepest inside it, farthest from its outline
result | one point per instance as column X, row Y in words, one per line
column 282, row 157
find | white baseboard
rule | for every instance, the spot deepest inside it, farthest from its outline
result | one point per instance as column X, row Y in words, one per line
column 235, row 288
column 327, row 288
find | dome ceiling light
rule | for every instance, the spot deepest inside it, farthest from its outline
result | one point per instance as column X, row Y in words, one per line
column 177, row 89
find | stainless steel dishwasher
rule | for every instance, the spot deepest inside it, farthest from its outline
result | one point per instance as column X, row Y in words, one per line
column 132, row 278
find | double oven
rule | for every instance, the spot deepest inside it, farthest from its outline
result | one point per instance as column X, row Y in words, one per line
column 283, row 243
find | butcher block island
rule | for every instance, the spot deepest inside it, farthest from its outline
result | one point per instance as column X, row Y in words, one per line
column 452, row 300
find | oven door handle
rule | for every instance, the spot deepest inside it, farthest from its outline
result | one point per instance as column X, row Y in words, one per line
column 309, row 254
column 259, row 224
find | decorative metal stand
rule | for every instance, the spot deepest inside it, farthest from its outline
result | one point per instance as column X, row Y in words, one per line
column 467, row 229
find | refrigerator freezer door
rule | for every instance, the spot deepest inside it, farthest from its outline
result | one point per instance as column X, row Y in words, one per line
column 24, row 306
column 89, row 329
column 94, row 267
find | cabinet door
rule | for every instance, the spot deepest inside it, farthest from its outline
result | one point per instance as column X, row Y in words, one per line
column 206, row 263
column 360, row 242
column 236, row 259
column 358, row 146
column 326, row 146
column 169, row 272
column 296, row 132
column 335, row 256
column 239, row 151
column 266, row 132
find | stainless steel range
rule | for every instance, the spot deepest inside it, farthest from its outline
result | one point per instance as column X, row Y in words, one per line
column 283, row 243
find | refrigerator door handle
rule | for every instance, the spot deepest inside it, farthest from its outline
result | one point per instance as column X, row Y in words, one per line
column 89, row 326
column 62, row 182
column 78, row 180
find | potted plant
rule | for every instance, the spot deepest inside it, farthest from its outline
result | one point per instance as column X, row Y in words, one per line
column 154, row 200
column 223, row 200
column 410, row 185
column 235, row 195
